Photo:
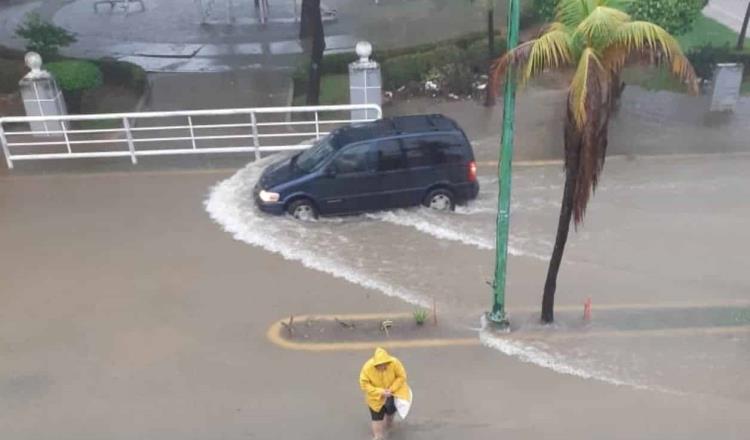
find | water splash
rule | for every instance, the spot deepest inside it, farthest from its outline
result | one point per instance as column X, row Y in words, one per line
column 230, row 205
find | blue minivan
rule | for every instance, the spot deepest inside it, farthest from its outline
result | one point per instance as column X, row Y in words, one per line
column 389, row 163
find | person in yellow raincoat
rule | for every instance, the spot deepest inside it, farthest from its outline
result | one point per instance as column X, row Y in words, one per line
column 383, row 379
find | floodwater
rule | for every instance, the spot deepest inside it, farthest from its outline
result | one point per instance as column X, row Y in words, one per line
column 661, row 255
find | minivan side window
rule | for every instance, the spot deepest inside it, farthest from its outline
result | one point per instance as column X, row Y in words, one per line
column 356, row 159
column 390, row 155
column 433, row 150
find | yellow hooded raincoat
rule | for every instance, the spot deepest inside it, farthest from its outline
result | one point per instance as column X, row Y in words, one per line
column 374, row 382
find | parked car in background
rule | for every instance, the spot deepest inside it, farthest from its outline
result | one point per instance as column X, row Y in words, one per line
column 389, row 163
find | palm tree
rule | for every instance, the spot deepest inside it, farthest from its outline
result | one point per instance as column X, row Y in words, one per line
column 596, row 40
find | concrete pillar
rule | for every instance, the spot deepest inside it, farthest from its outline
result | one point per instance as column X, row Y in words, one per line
column 365, row 82
column 726, row 84
column 41, row 97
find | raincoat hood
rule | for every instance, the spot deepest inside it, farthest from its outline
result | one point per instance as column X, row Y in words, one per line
column 381, row 357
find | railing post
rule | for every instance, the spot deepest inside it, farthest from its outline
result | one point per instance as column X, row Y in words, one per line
column 256, row 138
column 129, row 136
column 192, row 132
column 317, row 126
column 6, row 150
column 64, row 128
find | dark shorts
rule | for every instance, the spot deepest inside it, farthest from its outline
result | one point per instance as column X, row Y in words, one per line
column 389, row 408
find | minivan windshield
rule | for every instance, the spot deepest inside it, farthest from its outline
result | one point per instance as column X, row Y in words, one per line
column 315, row 155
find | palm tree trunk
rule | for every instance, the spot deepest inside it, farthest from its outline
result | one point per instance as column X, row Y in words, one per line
column 743, row 32
column 566, row 213
column 313, row 37
column 490, row 94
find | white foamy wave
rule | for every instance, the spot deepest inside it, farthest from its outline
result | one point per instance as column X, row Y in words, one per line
column 533, row 355
column 525, row 352
column 230, row 204
column 432, row 227
column 444, row 227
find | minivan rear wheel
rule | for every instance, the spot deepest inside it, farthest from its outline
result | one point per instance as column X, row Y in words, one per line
column 303, row 210
column 440, row 200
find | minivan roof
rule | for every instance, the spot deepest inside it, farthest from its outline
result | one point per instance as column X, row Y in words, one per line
column 394, row 126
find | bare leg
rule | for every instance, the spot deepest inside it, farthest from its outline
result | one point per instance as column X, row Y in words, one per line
column 377, row 430
column 388, row 422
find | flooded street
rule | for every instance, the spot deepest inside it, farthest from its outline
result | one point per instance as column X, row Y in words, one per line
column 661, row 254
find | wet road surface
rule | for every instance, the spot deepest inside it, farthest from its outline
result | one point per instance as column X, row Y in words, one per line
column 661, row 253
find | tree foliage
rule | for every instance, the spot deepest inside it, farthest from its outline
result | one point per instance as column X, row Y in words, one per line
column 545, row 9
column 43, row 37
column 675, row 16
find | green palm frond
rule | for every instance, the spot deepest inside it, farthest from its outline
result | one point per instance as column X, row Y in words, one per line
column 515, row 58
column 599, row 28
column 648, row 42
column 552, row 50
column 572, row 12
column 616, row 4
column 590, row 78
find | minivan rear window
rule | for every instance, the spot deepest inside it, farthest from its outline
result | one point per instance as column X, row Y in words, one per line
column 433, row 150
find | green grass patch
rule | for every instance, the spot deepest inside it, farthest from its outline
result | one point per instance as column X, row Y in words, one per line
column 708, row 31
column 334, row 89
column 745, row 88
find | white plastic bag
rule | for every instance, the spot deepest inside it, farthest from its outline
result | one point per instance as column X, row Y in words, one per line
column 403, row 406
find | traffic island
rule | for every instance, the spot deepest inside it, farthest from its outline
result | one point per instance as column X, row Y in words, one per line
column 364, row 332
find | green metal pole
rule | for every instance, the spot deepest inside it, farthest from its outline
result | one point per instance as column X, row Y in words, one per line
column 497, row 316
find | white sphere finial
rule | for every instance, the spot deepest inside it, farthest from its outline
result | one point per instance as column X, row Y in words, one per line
column 364, row 50
column 33, row 61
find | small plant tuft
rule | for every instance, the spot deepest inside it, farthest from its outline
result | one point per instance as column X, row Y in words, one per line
column 420, row 316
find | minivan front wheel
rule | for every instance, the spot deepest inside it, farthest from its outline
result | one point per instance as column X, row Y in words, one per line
column 440, row 200
column 303, row 210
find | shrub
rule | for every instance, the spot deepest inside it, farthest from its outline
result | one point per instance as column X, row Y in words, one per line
column 43, row 37
column 124, row 74
column 676, row 16
column 75, row 77
column 402, row 70
column 405, row 69
column 403, row 66
column 476, row 54
column 420, row 316
column 704, row 59
column 545, row 10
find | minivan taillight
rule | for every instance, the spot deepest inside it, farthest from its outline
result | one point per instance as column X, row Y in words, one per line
column 472, row 171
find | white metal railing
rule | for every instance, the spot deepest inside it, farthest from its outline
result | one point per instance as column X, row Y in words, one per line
column 254, row 130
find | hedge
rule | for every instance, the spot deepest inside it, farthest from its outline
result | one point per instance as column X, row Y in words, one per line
column 404, row 65
column 75, row 75
column 704, row 59
column 124, row 74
